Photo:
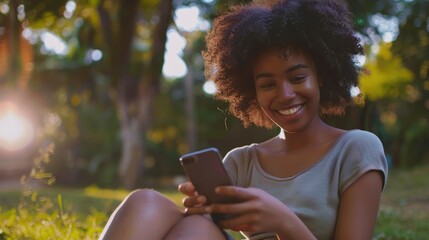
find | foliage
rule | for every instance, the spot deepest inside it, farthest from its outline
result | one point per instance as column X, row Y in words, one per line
column 42, row 217
column 399, row 74
column 387, row 76
column 412, row 45
column 414, row 151
column 47, row 221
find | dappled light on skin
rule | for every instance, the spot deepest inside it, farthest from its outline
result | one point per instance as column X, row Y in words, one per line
column 16, row 132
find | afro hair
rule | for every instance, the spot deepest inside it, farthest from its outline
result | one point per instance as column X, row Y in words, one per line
column 321, row 28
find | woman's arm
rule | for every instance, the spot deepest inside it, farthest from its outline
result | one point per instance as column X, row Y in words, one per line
column 358, row 208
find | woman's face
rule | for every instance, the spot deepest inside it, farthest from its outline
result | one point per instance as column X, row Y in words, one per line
column 287, row 88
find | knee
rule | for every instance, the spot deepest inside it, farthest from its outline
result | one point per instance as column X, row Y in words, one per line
column 143, row 196
column 202, row 222
column 147, row 199
column 195, row 227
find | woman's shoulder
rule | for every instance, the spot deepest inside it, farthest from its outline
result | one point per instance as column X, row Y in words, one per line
column 358, row 143
column 358, row 136
column 361, row 148
column 238, row 162
column 249, row 151
column 241, row 152
column 361, row 151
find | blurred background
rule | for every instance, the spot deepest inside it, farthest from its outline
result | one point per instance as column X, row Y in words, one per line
column 110, row 93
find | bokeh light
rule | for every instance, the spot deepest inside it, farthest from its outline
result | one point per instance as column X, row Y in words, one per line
column 209, row 87
column 16, row 132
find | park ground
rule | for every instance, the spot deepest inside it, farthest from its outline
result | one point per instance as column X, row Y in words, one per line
column 80, row 213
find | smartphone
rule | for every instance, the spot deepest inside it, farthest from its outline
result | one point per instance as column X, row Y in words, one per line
column 205, row 170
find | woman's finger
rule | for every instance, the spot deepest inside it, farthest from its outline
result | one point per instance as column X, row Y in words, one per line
column 196, row 210
column 239, row 193
column 233, row 208
column 194, row 201
column 187, row 188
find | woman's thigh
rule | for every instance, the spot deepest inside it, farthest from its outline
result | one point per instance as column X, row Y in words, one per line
column 196, row 227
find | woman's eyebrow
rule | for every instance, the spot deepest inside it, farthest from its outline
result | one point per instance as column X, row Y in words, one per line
column 263, row 75
column 296, row 67
column 289, row 70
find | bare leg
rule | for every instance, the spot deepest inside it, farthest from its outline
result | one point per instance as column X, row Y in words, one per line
column 144, row 214
column 195, row 227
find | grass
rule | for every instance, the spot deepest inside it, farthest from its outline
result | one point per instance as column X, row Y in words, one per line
column 404, row 212
column 61, row 213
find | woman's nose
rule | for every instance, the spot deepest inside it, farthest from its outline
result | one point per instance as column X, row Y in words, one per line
column 286, row 91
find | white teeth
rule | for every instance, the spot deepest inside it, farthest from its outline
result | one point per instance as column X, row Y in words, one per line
column 290, row 111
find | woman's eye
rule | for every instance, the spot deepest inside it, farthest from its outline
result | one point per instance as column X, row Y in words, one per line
column 266, row 85
column 298, row 79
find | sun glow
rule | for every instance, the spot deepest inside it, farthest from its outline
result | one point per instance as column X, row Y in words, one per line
column 16, row 132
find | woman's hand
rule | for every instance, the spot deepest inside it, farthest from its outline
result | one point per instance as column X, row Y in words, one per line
column 193, row 202
column 257, row 211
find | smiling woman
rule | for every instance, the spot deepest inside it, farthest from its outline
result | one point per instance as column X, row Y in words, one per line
column 16, row 132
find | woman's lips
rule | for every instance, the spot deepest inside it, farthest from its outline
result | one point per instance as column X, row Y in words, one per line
column 290, row 111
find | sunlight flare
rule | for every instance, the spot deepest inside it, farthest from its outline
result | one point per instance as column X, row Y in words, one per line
column 16, row 132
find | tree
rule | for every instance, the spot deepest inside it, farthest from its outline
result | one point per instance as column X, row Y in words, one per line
column 387, row 76
column 398, row 85
column 412, row 45
column 118, row 29
column 16, row 53
column 136, row 89
column 16, row 58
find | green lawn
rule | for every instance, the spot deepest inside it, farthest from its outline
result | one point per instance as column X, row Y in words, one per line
column 61, row 213
column 405, row 205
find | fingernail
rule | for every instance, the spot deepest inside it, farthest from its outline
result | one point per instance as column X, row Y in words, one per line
column 208, row 209
column 200, row 199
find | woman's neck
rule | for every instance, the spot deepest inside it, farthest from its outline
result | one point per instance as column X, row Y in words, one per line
column 312, row 136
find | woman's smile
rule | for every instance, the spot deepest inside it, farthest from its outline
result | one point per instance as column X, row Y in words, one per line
column 290, row 111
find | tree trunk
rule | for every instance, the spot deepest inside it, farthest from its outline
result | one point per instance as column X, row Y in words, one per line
column 135, row 91
column 11, row 40
column 130, row 166
column 136, row 103
column 191, row 127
